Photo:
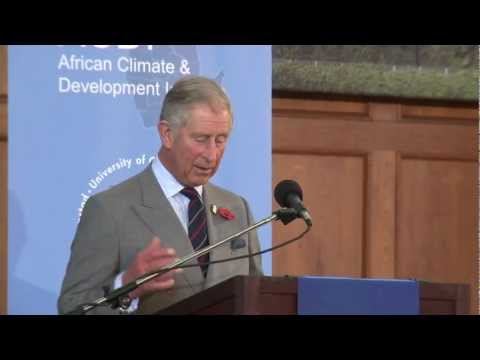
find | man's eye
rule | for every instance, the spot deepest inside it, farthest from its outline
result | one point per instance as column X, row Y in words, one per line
column 201, row 138
column 221, row 139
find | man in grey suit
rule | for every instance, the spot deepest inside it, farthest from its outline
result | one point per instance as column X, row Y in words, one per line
column 162, row 213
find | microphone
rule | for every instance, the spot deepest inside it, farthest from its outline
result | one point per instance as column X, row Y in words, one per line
column 289, row 194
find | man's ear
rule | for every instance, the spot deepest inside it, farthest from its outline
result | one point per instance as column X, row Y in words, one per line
column 166, row 133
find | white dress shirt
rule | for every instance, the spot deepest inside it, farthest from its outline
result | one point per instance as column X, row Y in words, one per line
column 171, row 187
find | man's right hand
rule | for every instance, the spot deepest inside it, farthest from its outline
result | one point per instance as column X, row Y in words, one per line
column 152, row 258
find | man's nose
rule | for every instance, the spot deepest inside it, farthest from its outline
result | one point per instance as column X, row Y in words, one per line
column 210, row 152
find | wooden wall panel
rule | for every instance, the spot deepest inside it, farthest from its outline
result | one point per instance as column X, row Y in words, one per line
column 412, row 204
column 333, row 193
column 437, row 237
column 380, row 215
column 327, row 134
column 438, row 112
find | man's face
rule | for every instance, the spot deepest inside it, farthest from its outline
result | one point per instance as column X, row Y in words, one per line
column 194, row 151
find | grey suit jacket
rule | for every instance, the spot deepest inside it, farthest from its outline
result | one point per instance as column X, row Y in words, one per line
column 119, row 222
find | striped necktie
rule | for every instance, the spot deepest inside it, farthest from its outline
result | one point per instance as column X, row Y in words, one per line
column 197, row 225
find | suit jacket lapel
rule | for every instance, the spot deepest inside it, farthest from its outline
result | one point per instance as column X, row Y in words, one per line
column 159, row 216
column 218, row 230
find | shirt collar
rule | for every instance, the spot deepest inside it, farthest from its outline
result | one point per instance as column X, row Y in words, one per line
column 167, row 181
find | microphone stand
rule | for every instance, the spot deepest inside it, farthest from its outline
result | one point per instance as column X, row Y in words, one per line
column 119, row 296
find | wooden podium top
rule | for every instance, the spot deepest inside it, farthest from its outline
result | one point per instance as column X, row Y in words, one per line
column 265, row 295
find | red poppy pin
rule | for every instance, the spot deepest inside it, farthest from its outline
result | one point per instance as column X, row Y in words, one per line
column 223, row 212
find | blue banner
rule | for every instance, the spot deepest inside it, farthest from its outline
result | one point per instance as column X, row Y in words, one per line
column 349, row 296
column 82, row 118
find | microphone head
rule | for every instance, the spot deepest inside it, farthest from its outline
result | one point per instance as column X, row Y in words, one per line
column 285, row 188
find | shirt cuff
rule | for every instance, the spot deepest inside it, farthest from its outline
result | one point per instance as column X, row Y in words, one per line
column 117, row 284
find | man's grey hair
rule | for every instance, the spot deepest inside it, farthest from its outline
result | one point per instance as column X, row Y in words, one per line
column 188, row 92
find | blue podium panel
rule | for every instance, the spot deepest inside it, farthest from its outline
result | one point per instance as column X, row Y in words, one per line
column 355, row 296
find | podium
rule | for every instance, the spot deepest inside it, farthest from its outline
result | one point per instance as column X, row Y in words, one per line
column 265, row 295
